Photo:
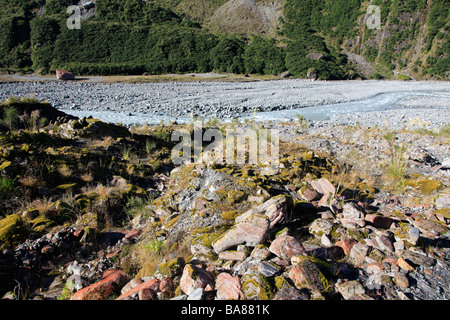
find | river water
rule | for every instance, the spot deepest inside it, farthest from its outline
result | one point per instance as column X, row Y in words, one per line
column 380, row 102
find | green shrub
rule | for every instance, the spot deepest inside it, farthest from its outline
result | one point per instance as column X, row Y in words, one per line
column 10, row 118
column 403, row 77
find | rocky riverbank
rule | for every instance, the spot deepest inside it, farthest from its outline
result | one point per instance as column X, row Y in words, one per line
column 353, row 212
column 225, row 99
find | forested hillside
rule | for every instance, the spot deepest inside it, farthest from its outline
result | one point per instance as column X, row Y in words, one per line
column 328, row 39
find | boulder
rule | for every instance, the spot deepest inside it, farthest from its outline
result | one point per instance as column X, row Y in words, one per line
column 429, row 227
column 315, row 55
column 311, row 75
column 378, row 221
column 233, row 255
column 64, row 75
column 346, row 245
column 143, row 290
column 353, row 217
column 250, row 231
column 320, row 227
column 309, row 195
column 255, row 286
column 194, row 277
column 228, row 287
column 278, row 209
column 323, row 186
column 358, row 253
column 290, row 294
column 350, row 290
column 112, row 282
column 306, row 275
column 197, row 294
column 285, row 74
column 443, row 202
column 285, row 247
column 417, row 258
column 167, row 286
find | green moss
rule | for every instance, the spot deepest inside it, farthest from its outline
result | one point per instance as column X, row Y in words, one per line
column 172, row 222
column 198, row 231
column 358, row 234
column 256, row 287
column 170, row 268
column 281, row 282
column 365, row 189
column 444, row 212
column 377, row 255
column 41, row 224
column 313, row 278
column 222, row 193
column 425, row 186
column 230, row 215
column 318, row 262
column 205, row 240
column 251, row 184
column 9, row 226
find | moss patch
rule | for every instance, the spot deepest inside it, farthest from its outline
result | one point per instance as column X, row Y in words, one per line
column 10, row 228
column 425, row 186
column 256, row 287
column 230, row 215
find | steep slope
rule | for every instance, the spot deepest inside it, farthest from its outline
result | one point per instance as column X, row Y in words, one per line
column 248, row 16
column 329, row 39
column 412, row 39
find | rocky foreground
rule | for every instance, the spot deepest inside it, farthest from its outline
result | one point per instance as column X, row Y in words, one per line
column 353, row 213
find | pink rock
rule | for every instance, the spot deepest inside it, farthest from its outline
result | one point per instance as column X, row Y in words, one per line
column 306, row 275
column 310, row 195
column 111, row 282
column 194, row 277
column 250, row 231
column 145, row 294
column 374, row 267
column 150, row 285
column 323, row 186
column 228, row 287
column 278, row 210
column 166, row 285
column 353, row 217
column 285, row 247
column 233, row 255
column 132, row 234
column 346, row 245
column 113, row 254
column 379, row 221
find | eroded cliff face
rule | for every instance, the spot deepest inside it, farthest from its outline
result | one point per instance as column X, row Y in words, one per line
column 248, row 16
column 411, row 40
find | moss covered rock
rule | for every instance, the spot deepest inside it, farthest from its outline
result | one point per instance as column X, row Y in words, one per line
column 306, row 275
column 10, row 228
column 256, row 286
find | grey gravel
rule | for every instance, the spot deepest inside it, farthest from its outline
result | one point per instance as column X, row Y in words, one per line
column 338, row 102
